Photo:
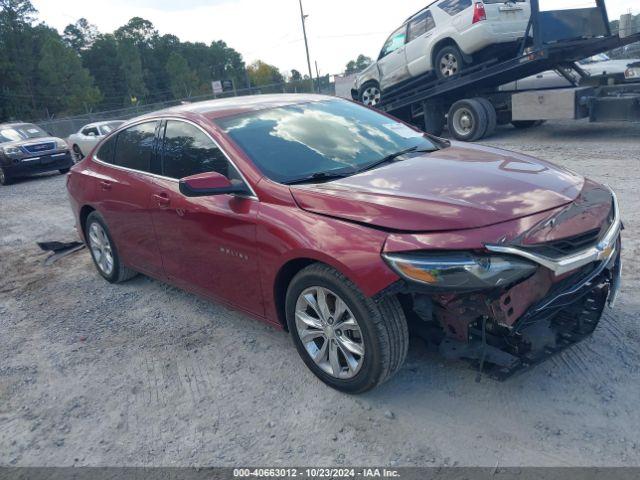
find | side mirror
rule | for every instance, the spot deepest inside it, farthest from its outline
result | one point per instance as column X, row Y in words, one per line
column 210, row 183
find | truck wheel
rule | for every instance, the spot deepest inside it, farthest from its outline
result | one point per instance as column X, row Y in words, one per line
column 492, row 117
column 349, row 341
column 370, row 94
column 448, row 62
column 434, row 122
column 525, row 123
column 5, row 179
column 467, row 120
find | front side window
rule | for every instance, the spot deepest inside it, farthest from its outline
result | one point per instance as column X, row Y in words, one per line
column 420, row 25
column 90, row 131
column 395, row 41
column 326, row 137
column 187, row 151
column 453, row 7
column 134, row 147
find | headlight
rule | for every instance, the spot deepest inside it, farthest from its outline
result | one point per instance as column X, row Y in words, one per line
column 61, row 144
column 11, row 150
column 632, row 73
column 459, row 271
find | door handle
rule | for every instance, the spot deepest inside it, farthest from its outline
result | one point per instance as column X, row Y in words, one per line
column 162, row 199
column 105, row 185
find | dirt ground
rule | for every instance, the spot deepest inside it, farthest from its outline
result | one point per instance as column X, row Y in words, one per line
column 143, row 374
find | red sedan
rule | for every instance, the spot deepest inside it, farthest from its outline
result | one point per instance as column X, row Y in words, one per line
column 350, row 229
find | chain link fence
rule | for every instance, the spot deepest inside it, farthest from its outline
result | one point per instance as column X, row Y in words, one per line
column 63, row 127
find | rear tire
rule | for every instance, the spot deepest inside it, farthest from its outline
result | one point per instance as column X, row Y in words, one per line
column 378, row 330
column 434, row 122
column 492, row 117
column 5, row 179
column 102, row 247
column 448, row 62
column 467, row 120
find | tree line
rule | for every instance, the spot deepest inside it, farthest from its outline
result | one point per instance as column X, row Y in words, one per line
column 44, row 73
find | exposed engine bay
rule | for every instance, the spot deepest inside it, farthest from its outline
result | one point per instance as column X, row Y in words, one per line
column 522, row 321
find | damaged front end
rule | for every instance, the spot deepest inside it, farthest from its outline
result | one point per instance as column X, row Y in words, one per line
column 518, row 301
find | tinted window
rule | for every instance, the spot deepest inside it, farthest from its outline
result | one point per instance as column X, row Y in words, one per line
column 332, row 136
column 420, row 25
column 106, row 150
column 187, row 150
column 134, row 148
column 453, row 7
column 395, row 41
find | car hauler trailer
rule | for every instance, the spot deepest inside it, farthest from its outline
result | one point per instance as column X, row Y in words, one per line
column 554, row 40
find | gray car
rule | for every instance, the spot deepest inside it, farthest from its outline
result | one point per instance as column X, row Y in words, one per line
column 621, row 70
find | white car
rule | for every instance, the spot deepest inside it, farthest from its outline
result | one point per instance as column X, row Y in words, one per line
column 443, row 37
column 83, row 141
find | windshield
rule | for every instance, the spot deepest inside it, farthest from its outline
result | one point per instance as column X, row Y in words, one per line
column 15, row 133
column 298, row 141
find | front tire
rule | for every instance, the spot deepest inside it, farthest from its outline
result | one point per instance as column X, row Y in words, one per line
column 370, row 94
column 104, row 252
column 350, row 342
column 5, row 179
column 77, row 153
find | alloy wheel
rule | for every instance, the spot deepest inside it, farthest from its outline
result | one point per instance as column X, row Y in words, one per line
column 371, row 96
column 329, row 332
column 101, row 248
column 448, row 65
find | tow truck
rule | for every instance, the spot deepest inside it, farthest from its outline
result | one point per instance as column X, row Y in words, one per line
column 471, row 104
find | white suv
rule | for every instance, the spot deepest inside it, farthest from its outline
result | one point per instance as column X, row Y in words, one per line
column 441, row 37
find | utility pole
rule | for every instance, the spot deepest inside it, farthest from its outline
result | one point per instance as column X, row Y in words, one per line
column 306, row 44
column 317, row 76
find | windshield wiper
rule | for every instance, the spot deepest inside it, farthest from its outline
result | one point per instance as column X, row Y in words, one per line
column 319, row 177
column 392, row 157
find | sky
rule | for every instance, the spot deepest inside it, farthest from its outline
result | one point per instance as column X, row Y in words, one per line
column 269, row 30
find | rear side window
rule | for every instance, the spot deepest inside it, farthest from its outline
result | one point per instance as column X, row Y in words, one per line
column 395, row 41
column 134, row 148
column 420, row 25
column 453, row 7
column 106, row 150
column 187, row 151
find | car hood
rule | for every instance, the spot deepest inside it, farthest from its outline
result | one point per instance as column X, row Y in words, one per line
column 30, row 141
column 454, row 188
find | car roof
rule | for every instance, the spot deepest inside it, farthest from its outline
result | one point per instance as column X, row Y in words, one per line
column 226, row 107
column 97, row 124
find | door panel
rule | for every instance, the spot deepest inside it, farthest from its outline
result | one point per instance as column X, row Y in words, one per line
column 124, row 201
column 208, row 243
column 420, row 43
column 124, row 190
column 393, row 62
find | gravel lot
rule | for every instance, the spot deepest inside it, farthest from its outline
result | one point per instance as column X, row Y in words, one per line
column 144, row 374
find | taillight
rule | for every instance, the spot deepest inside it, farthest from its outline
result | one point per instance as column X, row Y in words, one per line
column 478, row 12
